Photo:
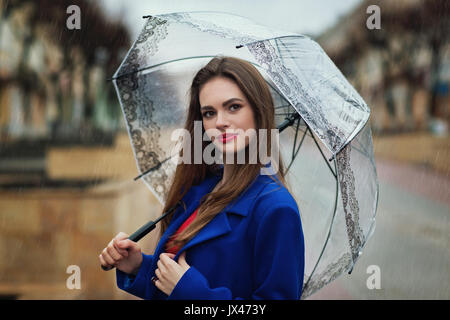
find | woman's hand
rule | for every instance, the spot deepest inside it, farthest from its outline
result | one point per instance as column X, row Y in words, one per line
column 123, row 254
column 169, row 272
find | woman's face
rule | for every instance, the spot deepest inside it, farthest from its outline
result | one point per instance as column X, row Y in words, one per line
column 226, row 114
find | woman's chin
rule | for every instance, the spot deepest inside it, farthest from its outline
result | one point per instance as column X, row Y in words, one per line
column 232, row 152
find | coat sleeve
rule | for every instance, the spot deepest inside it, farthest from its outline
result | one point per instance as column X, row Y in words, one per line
column 278, row 262
column 141, row 284
column 138, row 285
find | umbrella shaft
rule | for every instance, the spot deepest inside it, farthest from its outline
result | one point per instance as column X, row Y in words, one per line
column 288, row 121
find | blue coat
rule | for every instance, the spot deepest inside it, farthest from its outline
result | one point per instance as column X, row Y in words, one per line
column 253, row 249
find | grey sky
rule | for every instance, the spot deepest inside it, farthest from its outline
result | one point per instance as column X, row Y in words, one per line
column 309, row 17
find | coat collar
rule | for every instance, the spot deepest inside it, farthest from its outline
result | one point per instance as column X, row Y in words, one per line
column 240, row 205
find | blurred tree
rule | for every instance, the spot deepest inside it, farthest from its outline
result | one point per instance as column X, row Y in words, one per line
column 97, row 33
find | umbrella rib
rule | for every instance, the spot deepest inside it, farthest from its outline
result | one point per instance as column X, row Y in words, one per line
column 321, row 152
column 360, row 151
column 295, row 141
column 301, row 142
column 364, row 154
column 283, row 114
column 279, row 53
column 153, row 168
column 274, row 38
column 283, row 106
column 294, row 154
column 363, row 150
column 329, row 230
column 158, row 65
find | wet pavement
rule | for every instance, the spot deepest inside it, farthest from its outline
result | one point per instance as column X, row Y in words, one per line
column 411, row 242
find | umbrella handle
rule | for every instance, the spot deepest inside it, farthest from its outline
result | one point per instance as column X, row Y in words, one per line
column 106, row 268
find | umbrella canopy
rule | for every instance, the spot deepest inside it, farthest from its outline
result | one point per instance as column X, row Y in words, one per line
column 337, row 195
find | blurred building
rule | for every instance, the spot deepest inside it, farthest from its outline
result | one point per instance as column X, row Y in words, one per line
column 402, row 70
column 53, row 81
column 61, row 195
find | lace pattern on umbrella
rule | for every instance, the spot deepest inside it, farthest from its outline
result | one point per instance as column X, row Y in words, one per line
column 349, row 201
column 210, row 27
column 291, row 87
column 332, row 271
column 143, row 131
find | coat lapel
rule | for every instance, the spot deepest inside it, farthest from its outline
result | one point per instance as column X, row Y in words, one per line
column 215, row 228
column 220, row 225
column 192, row 198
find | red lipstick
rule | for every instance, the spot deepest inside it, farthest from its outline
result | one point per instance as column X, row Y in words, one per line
column 226, row 137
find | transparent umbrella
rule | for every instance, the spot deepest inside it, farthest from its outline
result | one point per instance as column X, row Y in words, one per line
column 325, row 135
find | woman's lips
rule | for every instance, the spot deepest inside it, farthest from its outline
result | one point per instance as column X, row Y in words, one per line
column 227, row 137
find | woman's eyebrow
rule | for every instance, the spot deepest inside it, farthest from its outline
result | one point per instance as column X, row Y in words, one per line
column 223, row 104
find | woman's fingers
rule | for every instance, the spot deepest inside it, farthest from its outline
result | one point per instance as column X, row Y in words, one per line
column 103, row 262
column 160, row 282
column 113, row 253
column 116, row 253
column 121, row 236
column 158, row 274
column 128, row 245
column 118, row 243
column 160, row 286
column 166, row 258
column 170, row 255
column 121, row 251
column 167, row 261
column 166, row 266
column 161, row 268
column 169, row 272
column 108, row 259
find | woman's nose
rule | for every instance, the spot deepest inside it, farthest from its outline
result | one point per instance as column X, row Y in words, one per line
column 221, row 120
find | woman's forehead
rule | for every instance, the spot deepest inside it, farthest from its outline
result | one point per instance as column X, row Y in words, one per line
column 219, row 90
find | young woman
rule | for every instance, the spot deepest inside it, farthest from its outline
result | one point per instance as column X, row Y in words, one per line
column 239, row 233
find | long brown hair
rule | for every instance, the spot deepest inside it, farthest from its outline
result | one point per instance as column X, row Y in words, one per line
column 257, row 92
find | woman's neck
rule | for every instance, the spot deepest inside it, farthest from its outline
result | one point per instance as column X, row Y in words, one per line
column 226, row 173
column 227, row 170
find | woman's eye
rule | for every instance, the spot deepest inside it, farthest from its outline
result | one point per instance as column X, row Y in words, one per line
column 206, row 114
column 235, row 107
